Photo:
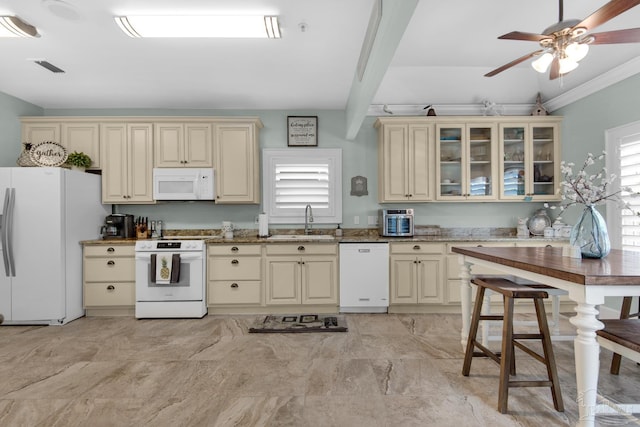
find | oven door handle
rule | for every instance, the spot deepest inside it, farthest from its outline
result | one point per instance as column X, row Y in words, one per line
column 146, row 256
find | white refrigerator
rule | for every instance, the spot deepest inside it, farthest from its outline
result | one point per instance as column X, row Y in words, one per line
column 45, row 213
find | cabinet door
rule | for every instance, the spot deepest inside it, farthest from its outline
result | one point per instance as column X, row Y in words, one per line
column 236, row 160
column 168, row 145
column 319, row 280
column 403, row 280
column 451, row 174
column 394, row 184
column 82, row 137
column 429, row 279
column 198, row 147
column 545, row 163
column 419, row 171
column 35, row 133
column 512, row 152
column 114, row 156
column 140, row 163
column 283, row 281
column 481, row 168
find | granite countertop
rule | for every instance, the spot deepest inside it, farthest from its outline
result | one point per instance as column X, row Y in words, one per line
column 355, row 235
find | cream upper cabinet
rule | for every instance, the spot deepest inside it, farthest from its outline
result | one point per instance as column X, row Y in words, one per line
column 530, row 161
column 183, row 145
column 74, row 136
column 237, row 161
column 127, row 153
column 404, row 157
column 466, row 161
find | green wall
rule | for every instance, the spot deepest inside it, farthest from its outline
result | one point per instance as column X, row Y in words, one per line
column 585, row 122
column 11, row 109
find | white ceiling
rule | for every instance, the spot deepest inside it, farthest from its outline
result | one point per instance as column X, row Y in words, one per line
column 446, row 49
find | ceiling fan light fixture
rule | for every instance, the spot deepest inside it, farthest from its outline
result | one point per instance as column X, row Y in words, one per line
column 577, row 51
column 240, row 26
column 567, row 65
column 12, row 26
column 541, row 64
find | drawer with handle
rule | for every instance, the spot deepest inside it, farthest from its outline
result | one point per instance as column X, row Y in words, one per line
column 109, row 294
column 109, row 250
column 109, row 269
column 234, row 292
column 234, row 268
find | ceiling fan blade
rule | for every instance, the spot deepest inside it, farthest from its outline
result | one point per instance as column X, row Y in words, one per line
column 555, row 69
column 631, row 35
column 607, row 12
column 519, row 35
column 512, row 63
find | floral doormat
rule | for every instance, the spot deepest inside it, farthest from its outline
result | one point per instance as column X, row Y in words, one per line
column 288, row 323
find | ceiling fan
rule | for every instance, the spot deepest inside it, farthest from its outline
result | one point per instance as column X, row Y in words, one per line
column 565, row 43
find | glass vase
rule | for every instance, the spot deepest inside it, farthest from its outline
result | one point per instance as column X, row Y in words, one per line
column 590, row 234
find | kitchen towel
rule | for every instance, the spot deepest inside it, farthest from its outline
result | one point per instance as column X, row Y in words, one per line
column 166, row 270
column 263, row 225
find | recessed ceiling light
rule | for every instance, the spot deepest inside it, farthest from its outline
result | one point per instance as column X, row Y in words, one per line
column 247, row 26
column 62, row 9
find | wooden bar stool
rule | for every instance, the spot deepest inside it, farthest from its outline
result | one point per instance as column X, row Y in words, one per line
column 506, row 358
column 625, row 313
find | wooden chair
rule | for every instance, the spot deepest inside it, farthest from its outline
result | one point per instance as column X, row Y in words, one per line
column 625, row 313
column 506, row 358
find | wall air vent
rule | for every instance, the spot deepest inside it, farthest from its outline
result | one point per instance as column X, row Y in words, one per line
column 49, row 66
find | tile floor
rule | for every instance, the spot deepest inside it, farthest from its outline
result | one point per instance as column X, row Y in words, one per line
column 388, row 370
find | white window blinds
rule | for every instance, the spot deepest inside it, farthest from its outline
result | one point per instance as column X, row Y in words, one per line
column 630, row 177
column 294, row 178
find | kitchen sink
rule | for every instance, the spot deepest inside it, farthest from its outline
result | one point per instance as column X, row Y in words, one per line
column 301, row 237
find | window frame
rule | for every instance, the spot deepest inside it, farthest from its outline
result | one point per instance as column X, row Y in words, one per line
column 273, row 156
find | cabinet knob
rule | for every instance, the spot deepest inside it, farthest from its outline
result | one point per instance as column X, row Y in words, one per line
column 110, row 250
column 234, row 285
column 235, row 262
column 549, row 246
column 111, row 288
column 234, row 249
column 111, row 262
column 301, row 248
column 416, row 247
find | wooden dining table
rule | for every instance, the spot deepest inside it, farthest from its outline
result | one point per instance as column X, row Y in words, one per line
column 588, row 281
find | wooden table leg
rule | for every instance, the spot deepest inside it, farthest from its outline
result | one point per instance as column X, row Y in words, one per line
column 587, row 359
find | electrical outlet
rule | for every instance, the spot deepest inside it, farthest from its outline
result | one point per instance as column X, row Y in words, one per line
column 372, row 220
column 356, row 220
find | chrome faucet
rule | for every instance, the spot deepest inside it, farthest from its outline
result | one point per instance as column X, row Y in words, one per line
column 308, row 219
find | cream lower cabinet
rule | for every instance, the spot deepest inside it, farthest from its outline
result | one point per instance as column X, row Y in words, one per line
column 109, row 276
column 416, row 273
column 237, row 161
column 234, row 275
column 127, row 153
column 301, row 274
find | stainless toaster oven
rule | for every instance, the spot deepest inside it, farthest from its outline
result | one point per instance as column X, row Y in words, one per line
column 395, row 222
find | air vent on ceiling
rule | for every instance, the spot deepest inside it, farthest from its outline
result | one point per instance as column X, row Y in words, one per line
column 49, row 66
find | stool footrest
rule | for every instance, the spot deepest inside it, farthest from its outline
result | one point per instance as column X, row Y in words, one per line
column 543, row 383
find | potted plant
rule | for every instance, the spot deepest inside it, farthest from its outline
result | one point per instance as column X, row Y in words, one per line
column 79, row 161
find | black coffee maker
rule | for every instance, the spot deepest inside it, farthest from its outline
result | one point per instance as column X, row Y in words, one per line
column 118, row 226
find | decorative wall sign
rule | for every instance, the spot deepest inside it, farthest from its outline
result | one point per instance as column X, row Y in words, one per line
column 359, row 186
column 48, row 154
column 302, row 131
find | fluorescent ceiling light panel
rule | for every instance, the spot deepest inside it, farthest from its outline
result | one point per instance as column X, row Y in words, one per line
column 249, row 26
column 12, row 26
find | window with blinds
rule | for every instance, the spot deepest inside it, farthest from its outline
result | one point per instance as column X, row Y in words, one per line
column 630, row 177
column 623, row 160
column 295, row 178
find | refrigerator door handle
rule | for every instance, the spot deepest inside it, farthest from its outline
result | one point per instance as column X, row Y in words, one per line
column 9, row 232
column 3, row 231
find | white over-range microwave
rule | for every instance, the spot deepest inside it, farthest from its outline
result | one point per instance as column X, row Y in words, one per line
column 183, row 184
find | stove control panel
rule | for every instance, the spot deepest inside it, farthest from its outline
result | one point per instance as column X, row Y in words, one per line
column 173, row 245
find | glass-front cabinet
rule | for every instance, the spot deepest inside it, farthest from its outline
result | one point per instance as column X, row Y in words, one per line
column 530, row 161
column 466, row 165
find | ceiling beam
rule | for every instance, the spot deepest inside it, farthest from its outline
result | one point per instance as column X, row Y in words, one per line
column 395, row 16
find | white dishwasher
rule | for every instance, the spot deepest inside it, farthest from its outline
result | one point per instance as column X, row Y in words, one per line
column 364, row 277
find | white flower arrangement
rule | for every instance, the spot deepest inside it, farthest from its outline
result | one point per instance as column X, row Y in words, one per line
column 590, row 190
